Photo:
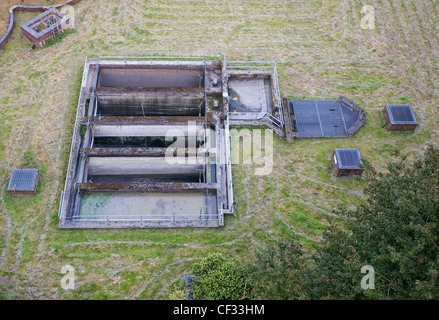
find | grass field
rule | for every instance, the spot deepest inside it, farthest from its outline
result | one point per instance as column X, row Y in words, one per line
column 322, row 53
column 6, row 4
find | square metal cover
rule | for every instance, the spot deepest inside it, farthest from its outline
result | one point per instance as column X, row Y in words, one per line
column 348, row 158
column 401, row 114
column 322, row 118
column 23, row 180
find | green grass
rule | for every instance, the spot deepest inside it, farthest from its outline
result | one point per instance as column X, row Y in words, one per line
column 315, row 59
column 59, row 38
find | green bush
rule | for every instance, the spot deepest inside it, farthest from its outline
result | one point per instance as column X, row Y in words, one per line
column 59, row 38
column 396, row 232
column 278, row 273
column 218, row 278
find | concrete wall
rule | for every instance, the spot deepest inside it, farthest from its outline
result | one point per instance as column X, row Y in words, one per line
column 145, row 223
column 146, row 131
column 347, row 172
column 187, row 178
column 40, row 42
column 139, row 166
column 151, row 78
column 22, row 192
column 149, row 106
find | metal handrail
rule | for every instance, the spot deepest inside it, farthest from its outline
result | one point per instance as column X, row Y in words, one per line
column 263, row 65
column 221, row 215
column 142, row 215
column 91, row 107
column 206, row 159
column 60, row 204
column 156, row 58
column 252, row 62
column 81, row 102
column 249, row 67
column 82, row 157
column 143, row 218
column 229, row 165
column 205, row 124
column 277, row 91
column 271, row 119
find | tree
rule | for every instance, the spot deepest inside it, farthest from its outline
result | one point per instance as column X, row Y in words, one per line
column 277, row 273
column 218, row 278
column 396, row 232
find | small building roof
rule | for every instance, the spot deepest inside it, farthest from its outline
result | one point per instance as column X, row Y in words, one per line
column 52, row 11
column 23, row 180
column 401, row 114
column 348, row 158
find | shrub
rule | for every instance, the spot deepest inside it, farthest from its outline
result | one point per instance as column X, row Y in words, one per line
column 396, row 232
column 278, row 273
column 218, row 278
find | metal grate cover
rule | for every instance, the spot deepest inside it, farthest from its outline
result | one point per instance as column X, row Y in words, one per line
column 322, row 118
column 348, row 158
column 23, row 180
column 401, row 114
